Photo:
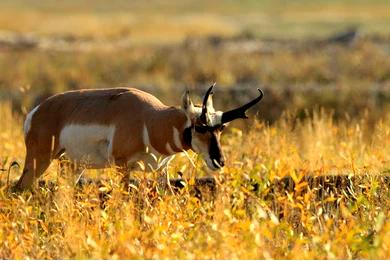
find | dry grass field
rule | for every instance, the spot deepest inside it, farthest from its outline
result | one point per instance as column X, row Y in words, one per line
column 308, row 177
column 240, row 221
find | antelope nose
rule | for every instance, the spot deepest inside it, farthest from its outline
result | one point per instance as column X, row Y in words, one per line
column 222, row 162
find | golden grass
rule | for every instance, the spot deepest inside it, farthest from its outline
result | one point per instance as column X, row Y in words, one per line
column 137, row 29
column 247, row 218
column 239, row 223
column 162, row 21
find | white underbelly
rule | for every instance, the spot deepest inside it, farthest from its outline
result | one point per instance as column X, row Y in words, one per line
column 88, row 144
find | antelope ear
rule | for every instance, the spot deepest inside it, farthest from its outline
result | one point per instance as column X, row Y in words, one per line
column 187, row 104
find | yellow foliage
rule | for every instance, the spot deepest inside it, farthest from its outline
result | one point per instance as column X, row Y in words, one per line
column 240, row 223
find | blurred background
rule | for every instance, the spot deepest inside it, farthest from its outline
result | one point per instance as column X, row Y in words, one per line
column 304, row 54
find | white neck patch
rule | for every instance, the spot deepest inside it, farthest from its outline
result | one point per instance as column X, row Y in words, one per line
column 176, row 139
column 169, row 148
column 146, row 140
column 27, row 122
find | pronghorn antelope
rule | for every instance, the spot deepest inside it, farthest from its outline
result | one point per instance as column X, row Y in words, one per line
column 118, row 127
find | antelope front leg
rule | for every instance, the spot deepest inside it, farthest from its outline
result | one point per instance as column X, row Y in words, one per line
column 33, row 169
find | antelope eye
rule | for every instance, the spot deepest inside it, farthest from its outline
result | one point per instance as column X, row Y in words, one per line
column 201, row 129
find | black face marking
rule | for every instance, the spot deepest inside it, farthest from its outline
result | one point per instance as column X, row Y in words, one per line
column 187, row 136
column 215, row 151
column 204, row 128
column 214, row 148
column 201, row 129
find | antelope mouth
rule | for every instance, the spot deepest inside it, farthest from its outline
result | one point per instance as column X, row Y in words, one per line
column 216, row 164
column 213, row 164
column 207, row 161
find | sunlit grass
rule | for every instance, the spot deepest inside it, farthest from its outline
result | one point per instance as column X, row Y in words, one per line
column 253, row 214
column 172, row 21
column 240, row 222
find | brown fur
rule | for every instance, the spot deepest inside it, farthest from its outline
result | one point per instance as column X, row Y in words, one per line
column 126, row 108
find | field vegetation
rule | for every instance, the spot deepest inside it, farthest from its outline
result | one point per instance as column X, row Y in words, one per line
column 248, row 217
column 308, row 177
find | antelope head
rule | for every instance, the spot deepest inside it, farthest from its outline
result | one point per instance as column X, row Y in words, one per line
column 203, row 134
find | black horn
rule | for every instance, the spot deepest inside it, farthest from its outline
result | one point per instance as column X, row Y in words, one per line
column 204, row 105
column 239, row 113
